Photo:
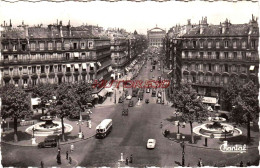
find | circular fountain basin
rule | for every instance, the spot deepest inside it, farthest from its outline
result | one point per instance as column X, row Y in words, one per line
column 206, row 131
column 40, row 129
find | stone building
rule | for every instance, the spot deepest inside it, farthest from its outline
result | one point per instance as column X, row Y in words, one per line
column 54, row 54
column 155, row 37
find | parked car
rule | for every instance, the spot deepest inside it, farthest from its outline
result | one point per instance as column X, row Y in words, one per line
column 151, row 144
column 125, row 112
column 154, row 93
column 129, row 97
column 146, row 101
column 48, row 143
column 159, row 101
column 121, row 100
column 147, row 90
column 131, row 103
column 159, row 95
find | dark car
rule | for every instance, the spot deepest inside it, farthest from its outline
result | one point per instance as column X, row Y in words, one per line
column 121, row 100
column 48, row 143
column 125, row 112
column 154, row 93
column 131, row 103
column 147, row 101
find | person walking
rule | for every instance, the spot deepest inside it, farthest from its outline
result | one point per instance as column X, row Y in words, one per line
column 241, row 164
column 126, row 161
column 67, row 155
column 58, row 159
column 70, row 160
column 200, row 164
column 42, row 164
column 131, row 158
column 248, row 163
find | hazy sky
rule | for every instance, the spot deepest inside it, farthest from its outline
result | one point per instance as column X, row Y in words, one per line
column 129, row 15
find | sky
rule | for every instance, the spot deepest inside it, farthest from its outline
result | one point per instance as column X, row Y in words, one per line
column 131, row 16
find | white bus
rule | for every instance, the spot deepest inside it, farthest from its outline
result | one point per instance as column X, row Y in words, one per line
column 104, row 128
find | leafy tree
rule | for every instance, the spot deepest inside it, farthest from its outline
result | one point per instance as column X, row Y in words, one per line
column 83, row 95
column 246, row 106
column 231, row 92
column 45, row 92
column 65, row 104
column 15, row 104
column 190, row 104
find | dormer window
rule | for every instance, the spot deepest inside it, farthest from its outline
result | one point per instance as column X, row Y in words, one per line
column 5, row 47
column 253, row 44
column 217, row 44
column 14, row 47
column 226, row 44
column 234, row 44
column 243, row 44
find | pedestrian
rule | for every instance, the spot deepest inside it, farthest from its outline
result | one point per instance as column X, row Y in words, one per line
column 70, row 160
column 248, row 163
column 241, row 164
column 131, row 158
column 58, row 159
column 67, row 155
column 42, row 164
column 82, row 135
column 126, row 161
column 59, row 150
column 71, row 148
column 200, row 164
column 161, row 124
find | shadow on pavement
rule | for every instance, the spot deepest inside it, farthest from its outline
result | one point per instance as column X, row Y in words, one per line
column 9, row 137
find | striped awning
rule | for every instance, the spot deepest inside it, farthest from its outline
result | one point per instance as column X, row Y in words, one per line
column 68, row 65
column 76, row 66
column 76, row 54
column 92, row 64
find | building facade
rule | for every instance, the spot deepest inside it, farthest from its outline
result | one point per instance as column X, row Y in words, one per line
column 53, row 54
column 211, row 55
column 155, row 37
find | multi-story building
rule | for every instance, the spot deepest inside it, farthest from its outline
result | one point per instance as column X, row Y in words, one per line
column 155, row 37
column 213, row 54
column 53, row 54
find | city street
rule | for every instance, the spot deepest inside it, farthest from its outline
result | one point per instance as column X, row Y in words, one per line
column 129, row 136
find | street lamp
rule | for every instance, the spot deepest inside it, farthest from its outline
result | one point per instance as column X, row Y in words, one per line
column 58, row 141
column 183, row 152
column 33, row 129
column 79, row 123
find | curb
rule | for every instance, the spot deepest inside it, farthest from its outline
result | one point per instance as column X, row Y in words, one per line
column 61, row 143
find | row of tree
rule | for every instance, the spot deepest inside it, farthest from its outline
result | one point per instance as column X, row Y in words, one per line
column 64, row 100
column 241, row 98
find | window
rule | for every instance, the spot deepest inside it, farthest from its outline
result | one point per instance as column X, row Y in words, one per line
column 25, row 81
column 225, row 79
column 235, row 55
column 226, row 44
column 193, row 79
column 5, row 47
column 209, row 44
column 217, row 44
column 226, row 55
column 41, row 46
column 90, row 44
column 58, row 46
column 59, row 68
column 68, row 69
column 201, row 54
column 74, row 46
column 209, row 67
column 14, row 47
column 50, row 46
column 201, row 44
column 253, row 44
column 209, row 55
column 194, row 44
column 32, row 46
column 234, row 44
column 33, row 69
column 186, row 54
column 217, row 55
column 15, row 57
column 234, row 68
column 243, row 44
column 67, row 56
column 5, row 57
column 51, row 68
column 244, row 55
column 42, row 69
column 23, row 47
column 33, row 82
column 226, row 68
column 184, row 44
column 217, row 79
column 82, row 45
column 76, row 78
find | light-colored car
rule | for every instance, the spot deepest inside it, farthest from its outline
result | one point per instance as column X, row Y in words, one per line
column 147, row 90
column 151, row 144
column 129, row 97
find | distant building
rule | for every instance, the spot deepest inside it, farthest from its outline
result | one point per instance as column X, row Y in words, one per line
column 155, row 37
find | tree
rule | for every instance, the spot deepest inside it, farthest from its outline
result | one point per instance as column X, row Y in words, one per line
column 231, row 92
column 65, row 104
column 190, row 104
column 246, row 106
column 45, row 92
column 83, row 95
column 15, row 104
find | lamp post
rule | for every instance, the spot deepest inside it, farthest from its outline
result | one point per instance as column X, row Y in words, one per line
column 33, row 129
column 183, row 152
column 79, row 123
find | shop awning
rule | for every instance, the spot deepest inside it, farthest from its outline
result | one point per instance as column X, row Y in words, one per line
column 209, row 100
column 76, row 54
column 92, row 64
column 252, row 67
column 102, row 93
column 99, row 64
column 68, row 65
column 84, row 66
column 76, row 66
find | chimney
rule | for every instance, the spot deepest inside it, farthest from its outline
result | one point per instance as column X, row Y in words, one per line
column 10, row 23
column 69, row 27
